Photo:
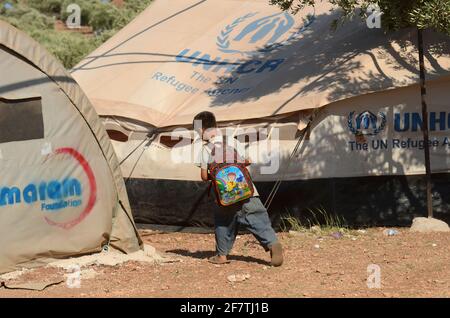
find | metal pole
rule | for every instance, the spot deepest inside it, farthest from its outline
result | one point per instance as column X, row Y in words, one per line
column 423, row 93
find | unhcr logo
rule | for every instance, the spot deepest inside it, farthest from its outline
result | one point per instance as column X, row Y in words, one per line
column 267, row 32
column 247, row 36
column 366, row 123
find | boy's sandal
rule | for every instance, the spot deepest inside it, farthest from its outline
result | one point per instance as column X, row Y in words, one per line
column 276, row 253
column 216, row 260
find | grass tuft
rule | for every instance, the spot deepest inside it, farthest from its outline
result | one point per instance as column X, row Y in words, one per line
column 318, row 221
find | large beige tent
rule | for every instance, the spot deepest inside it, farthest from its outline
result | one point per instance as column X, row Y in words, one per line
column 61, row 191
column 268, row 71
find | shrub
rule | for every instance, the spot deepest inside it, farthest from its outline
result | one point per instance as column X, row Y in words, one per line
column 69, row 48
column 37, row 18
column 52, row 7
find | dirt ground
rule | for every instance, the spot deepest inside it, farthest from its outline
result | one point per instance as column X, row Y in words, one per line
column 316, row 265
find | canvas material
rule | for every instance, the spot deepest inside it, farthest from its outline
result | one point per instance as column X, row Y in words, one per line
column 121, row 77
column 352, row 70
column 326, row 150
column 75, row 147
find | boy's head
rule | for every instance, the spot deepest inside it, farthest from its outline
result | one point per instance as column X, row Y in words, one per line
column 203, row 122
column 231, row 176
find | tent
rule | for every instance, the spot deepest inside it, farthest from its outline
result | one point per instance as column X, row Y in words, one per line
column 61, row 191
column 266, row 74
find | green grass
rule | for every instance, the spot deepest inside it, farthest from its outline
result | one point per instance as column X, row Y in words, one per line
column 318, row 220
column 37, row 18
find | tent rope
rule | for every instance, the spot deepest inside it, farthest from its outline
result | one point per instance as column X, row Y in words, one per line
column 150, row 135
column 150, row 139
column 277, row 184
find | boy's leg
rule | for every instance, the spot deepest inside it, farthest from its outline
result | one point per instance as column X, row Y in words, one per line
column 255, row 218
column 226, row 228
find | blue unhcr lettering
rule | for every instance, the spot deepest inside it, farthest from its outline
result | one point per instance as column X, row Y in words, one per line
column 198, row 58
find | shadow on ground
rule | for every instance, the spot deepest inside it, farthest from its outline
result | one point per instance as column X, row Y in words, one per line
column 206, row 254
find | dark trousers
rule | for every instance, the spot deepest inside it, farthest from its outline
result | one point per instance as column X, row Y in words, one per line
column 250, row 214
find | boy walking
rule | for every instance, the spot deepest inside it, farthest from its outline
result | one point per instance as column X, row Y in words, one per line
column 249, row 213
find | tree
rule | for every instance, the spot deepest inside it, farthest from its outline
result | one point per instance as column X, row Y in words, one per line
column 396, row 15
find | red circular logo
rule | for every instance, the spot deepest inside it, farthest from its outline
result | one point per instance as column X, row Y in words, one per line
column 92, row 187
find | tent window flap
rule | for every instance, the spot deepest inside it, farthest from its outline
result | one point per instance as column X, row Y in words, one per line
column 21, row 119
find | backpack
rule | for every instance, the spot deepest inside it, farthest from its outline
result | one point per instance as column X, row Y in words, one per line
column 230, row 178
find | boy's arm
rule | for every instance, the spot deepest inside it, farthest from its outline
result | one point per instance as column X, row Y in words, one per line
column 203, row 164
column 204, row 174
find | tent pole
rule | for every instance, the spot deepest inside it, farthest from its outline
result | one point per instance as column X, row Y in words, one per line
column 425, row 130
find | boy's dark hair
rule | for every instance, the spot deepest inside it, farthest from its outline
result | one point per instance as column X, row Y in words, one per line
column 207, row 119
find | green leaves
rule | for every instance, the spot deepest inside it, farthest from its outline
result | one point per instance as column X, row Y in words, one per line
column 37, row 18
column 397, row 14
column 432, row 14
column 69, row 48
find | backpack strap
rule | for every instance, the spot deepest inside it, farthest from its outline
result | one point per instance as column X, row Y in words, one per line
column 212, row 151
column 212, row 148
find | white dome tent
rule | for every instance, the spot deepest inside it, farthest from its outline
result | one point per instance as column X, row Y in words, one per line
column 61, row 191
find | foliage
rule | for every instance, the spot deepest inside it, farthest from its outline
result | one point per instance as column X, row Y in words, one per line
column 397, row 14
column 50, row 7
column 37, row 18
column 70, row 48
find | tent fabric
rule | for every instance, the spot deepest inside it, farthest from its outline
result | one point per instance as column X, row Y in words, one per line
column 259, row 68
column 245, row 59
column 62, row 193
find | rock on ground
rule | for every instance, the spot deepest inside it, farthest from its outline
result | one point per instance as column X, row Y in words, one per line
column 238, row 278
column 428, row 225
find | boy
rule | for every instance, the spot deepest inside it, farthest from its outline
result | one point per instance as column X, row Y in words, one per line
column 249, row 213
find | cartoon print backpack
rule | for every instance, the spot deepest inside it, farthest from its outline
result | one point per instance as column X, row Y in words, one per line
column 230, row 178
